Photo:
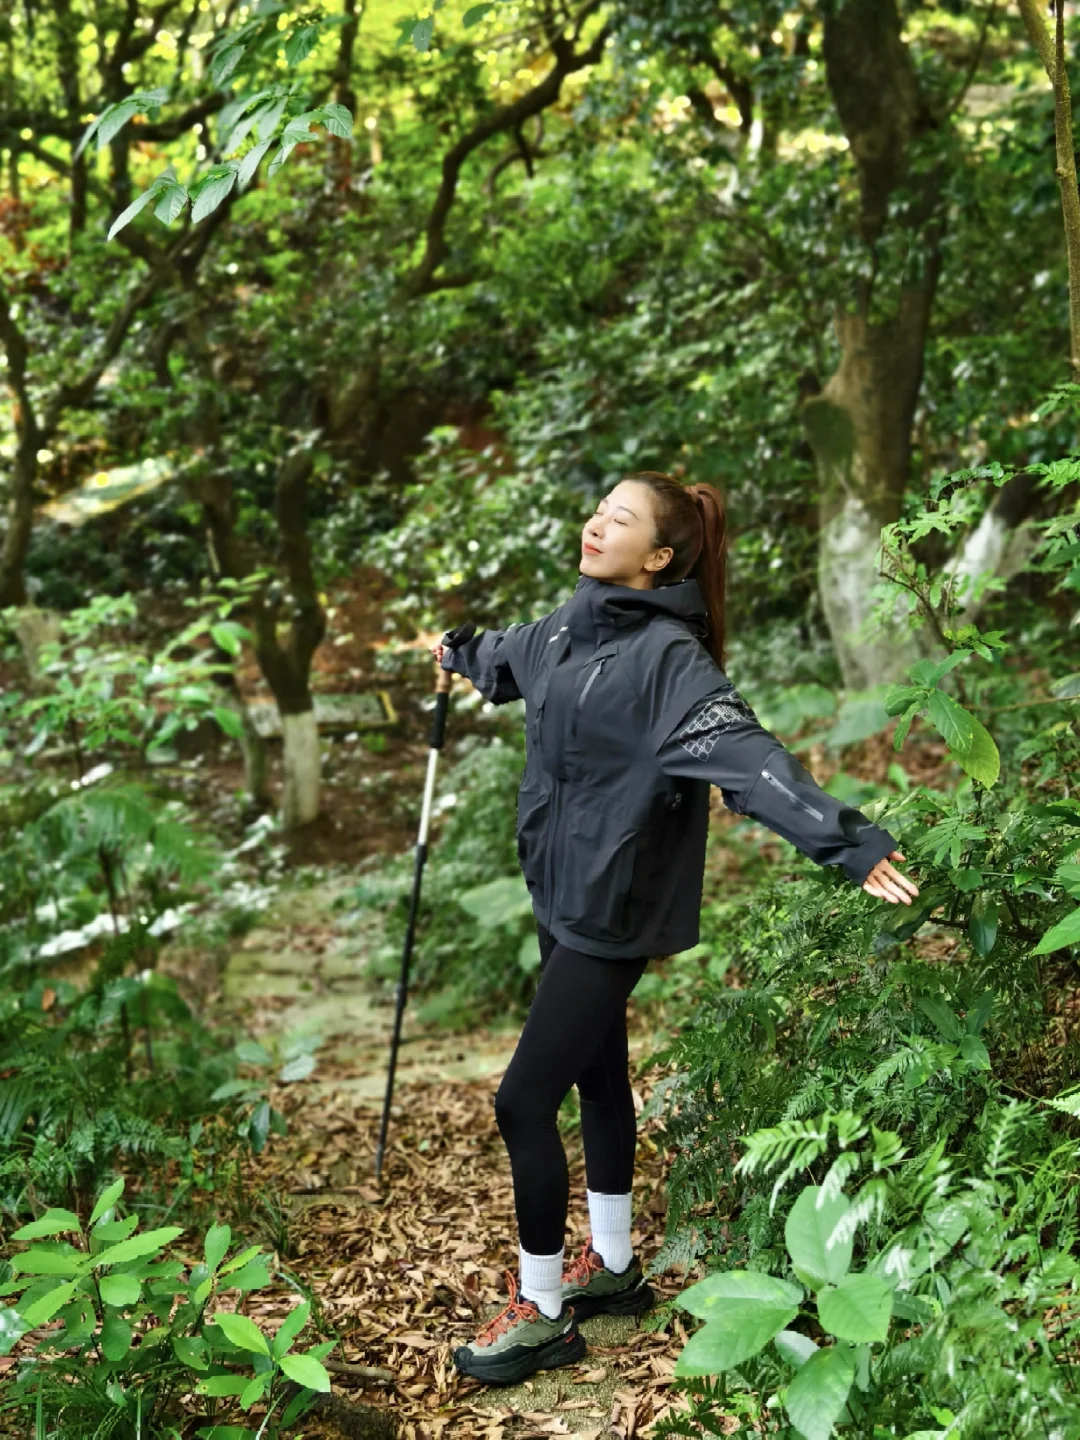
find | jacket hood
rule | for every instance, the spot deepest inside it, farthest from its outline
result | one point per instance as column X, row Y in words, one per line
column 599, row 610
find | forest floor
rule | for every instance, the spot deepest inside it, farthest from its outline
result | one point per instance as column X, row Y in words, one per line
column 406, row 1271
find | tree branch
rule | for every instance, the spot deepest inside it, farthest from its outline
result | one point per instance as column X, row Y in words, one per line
column 1052, row 54
column 502, row 118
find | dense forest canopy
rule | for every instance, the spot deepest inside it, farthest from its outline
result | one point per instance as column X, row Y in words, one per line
column 322, row 329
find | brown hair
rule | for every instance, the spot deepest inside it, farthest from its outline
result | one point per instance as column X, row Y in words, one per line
column 692, row 520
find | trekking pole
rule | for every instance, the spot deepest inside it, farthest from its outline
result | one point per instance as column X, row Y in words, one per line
column 438, row 729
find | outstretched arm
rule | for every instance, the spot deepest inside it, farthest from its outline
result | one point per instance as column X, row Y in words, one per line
column 721, row 740
column 483, row 661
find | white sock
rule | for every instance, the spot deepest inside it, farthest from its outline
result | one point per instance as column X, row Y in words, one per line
column 540, row 1279
column 609, row 1216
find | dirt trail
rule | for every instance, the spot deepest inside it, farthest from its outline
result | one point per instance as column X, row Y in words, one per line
column 405, row 1273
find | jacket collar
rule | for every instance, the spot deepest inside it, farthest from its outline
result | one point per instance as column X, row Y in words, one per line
column 600, row 611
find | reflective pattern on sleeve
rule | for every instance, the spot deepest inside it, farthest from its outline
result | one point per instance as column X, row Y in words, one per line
column 716, row 715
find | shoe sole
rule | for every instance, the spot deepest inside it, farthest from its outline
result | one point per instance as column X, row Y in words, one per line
column 509, row 1370
column 623, row 1302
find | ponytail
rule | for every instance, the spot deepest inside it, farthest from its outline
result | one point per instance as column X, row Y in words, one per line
column 691, row 520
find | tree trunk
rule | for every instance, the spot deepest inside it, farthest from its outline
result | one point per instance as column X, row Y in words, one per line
column 859, row 425
column 301, row 769
column 16, row 544
column 859, row 429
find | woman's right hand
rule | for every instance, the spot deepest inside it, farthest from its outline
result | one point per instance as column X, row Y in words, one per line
column 438, row 651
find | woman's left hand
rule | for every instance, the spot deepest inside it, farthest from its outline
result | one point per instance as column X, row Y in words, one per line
column 887, row 883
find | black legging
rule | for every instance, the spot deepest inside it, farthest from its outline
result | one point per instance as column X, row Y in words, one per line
column 575, row 1032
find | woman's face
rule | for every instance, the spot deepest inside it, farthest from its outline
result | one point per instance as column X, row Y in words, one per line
column 617, row 541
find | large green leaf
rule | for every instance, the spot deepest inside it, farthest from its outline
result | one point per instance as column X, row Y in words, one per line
column 956, row 724
column 981, row 760
column 807, row 1233
column 53, row 1222
column 290, row 1328
column 115, row 1338
column 120, row 1289
column 241, row 1331
column 739, row 1330
column 709, row 1297
column 212, row 191
column 215, row 1245
column 46, row 1306
column 46, row 1262
column 107, row 1200
column 307, row 1371
column 857, row 1309
column 983, row 921
column 816, row 1396
column 796, row 1349
column 1065, row 932
column 145, row 1244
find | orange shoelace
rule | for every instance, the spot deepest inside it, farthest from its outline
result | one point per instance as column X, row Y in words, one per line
column 516, row 1310
column 581, row 1269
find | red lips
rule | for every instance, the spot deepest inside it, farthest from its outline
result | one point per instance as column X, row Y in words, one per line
column 590, row 549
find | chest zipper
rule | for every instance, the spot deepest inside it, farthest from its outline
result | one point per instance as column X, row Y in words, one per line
column 589, row 683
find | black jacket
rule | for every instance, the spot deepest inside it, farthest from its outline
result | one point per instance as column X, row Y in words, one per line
column 628, row 722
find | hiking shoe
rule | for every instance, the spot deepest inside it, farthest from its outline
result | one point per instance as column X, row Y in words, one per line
column 520, row 1340
column 592, row 1289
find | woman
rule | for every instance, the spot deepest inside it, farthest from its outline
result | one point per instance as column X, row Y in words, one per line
column 629, row 719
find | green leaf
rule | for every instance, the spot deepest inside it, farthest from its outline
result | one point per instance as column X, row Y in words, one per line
column 710, row 1296
column 250, row 162
column 173, row 197
column 252, row 1276
column 899, row 697
column 957, row 726
column 114, row 118
column 120, row 1289
column 475, row 14
column 211, row 191
column 941, row 1016
column 1065, row 932
column 47, row 1305
column 107, row 1200
column 191, row 1350
column 974, row 1052
column 53, row 1222
column 241, row 1259
column 858, row 1309
column 338, row 120
column 421, row 34
column 145, row 1244
column 250, row 1052
column 290, row 1327
column 816, row 1397
column 982, row 760
column 222, row 1385
column 307, row 1371
column 115, row 1338
column 255, row 1391
column 297, row 1069
column 298, row 47
column 983, row 922
column 796, row 1349
column 138, row 204
column 111, row 1232
column 226, row 638
column 12, row 1328
column 46, row 1262
column 241, row 1331
column 807, row 1232
column 215, row 1245
column 225, row 60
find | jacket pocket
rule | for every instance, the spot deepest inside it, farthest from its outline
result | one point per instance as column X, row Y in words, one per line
column 594, row 866
column 532, row 822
